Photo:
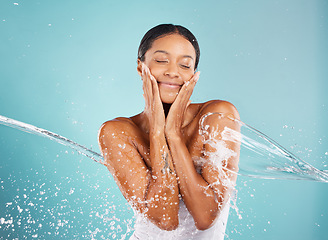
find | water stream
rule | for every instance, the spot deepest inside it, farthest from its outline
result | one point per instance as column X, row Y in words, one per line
column 261, row 156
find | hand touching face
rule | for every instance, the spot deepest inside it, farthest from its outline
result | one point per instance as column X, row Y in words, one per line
column 171, row 60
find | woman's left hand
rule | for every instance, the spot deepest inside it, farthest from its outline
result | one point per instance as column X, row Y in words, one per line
column 175, row 116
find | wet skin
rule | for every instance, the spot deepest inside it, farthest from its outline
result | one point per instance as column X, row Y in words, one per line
column 151, row 154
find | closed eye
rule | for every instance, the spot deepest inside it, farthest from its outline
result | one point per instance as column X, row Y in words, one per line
column 161, row 61
column 184, row 66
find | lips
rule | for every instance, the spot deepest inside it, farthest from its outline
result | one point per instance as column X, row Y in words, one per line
column 169, row 85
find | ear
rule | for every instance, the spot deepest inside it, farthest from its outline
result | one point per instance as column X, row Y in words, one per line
column 139, row 67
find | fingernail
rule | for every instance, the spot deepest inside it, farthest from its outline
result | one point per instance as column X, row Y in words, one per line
column 142, row 68
column 197, row 76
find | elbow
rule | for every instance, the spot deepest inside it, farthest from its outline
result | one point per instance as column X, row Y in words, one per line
column 206, row 221
column 164, row 221
column 203, row 225
column 167, row 224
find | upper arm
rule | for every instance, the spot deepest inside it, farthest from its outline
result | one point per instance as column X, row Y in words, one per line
column 222, row 155
column 116, row 141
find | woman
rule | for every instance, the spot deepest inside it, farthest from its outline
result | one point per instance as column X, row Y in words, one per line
column 154, row 155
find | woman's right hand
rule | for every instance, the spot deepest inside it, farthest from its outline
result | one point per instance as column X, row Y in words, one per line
column 153, row 104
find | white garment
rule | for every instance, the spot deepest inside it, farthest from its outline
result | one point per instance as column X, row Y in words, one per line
column 186, row 230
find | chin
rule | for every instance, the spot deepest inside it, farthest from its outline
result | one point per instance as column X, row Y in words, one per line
column 168, row 99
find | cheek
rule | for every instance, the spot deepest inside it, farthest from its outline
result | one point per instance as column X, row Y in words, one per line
column 155, row 70
column 187, row 75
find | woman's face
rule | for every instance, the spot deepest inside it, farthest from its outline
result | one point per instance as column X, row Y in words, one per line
column 171, row 60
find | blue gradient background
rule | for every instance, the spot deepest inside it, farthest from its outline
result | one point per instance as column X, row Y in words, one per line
column 68, row 66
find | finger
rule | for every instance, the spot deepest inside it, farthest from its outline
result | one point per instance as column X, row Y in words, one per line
column 147, row 78
column 190, row 84
column 154, row 86
column 187, row 89
column 147, row 88
column 196, row 76
column 182, row 101
column 188, row 104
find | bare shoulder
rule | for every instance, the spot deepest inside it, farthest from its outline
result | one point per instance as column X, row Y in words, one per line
column 116, row 127
column 220, row 106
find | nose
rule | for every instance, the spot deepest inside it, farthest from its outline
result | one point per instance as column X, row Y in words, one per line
column 172, row 70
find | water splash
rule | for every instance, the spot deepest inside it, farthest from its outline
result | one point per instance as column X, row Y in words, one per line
column 261, row 157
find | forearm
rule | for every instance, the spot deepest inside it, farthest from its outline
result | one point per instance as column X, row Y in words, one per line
column 198, row 196
column 162, row 194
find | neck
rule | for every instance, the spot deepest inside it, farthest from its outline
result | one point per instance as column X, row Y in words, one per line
column 166, row 107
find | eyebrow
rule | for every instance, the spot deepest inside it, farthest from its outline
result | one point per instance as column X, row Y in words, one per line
column 165, row 52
